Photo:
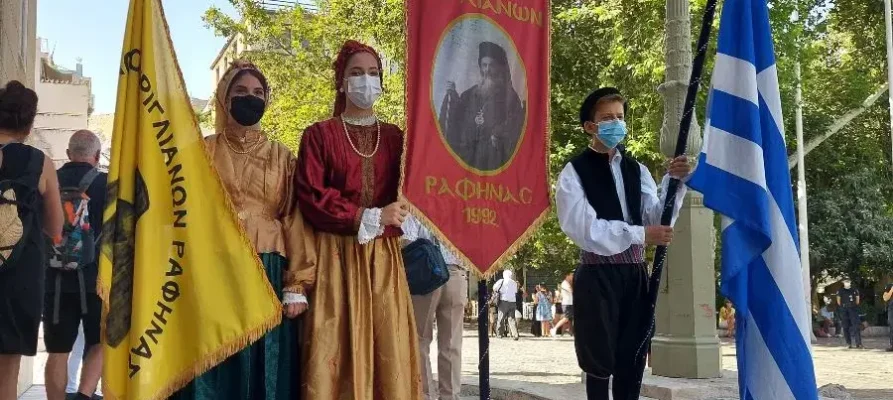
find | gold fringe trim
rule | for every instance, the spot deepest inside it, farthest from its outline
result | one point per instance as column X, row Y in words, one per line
column 253, row 334
column 537, row 223
column 208, row 361
column 406, row 74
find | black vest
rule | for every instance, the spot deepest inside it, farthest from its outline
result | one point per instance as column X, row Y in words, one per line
column 594, row 170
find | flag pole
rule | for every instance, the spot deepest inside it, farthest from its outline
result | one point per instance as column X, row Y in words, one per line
column 666, row 219
column 802, row 208
column 889, row 25
column 483, row 340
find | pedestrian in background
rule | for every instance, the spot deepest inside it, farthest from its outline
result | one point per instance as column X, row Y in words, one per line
column 848, row 300
column 72, row 271
column 543, row 309
column 30, row 212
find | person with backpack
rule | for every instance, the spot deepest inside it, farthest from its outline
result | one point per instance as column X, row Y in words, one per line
column 29, row 214
column 72, row 269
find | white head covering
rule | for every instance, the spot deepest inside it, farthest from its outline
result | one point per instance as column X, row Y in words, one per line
column 506, row 274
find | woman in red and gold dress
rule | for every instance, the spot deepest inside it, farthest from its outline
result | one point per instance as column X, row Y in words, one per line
column 361, row 337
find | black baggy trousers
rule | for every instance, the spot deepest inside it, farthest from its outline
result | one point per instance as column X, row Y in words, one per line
column 612, row 314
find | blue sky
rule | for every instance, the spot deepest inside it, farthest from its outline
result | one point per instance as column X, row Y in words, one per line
column 94, row 31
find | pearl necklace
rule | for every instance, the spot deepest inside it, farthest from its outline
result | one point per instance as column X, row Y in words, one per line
column 360, row 121
column 377, row 139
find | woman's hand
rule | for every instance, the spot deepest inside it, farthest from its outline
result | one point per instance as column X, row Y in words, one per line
column 294, row 309
column 395, row 213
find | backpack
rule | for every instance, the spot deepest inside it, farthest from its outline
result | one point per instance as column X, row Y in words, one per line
column 17, row 214
column 78, row 245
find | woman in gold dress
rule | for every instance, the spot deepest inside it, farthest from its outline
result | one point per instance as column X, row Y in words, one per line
column 361, row 336
column 259, row 178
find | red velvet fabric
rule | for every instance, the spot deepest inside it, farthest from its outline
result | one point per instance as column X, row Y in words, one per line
column 334, row 184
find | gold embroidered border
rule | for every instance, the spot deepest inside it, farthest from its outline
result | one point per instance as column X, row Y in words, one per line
column 493, row 268
column 366, row 144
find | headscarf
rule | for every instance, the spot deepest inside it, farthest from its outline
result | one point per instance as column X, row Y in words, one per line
column 349, row 48
column 221, row 106
column 506, row 274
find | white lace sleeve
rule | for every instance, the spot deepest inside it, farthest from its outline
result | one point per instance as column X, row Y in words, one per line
column 293, row 298
column 411, row 229
column 370, row 225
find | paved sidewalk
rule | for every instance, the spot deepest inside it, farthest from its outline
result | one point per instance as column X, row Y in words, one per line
column 547, row 368
column 544, row 363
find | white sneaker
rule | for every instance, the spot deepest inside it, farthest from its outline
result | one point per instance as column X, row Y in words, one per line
column 553, row 332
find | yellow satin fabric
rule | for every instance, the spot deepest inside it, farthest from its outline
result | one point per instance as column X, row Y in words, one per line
column 360, row 336
column 260, row 186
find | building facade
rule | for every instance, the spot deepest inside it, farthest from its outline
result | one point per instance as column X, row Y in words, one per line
column 18, row 30
column 65, row 105
column 236, row 46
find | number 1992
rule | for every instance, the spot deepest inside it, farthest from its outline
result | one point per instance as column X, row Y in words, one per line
column 477, row 216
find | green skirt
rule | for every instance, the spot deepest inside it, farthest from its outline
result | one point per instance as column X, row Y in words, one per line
column 267, row 370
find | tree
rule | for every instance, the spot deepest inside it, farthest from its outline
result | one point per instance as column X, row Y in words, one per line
column 620, row 43
column 295, row 49
column 849, row 174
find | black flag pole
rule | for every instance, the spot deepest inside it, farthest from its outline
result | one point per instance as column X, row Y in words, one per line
column 666, row 219
column 483, row 340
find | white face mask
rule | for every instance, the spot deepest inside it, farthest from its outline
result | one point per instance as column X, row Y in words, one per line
column 363, row 90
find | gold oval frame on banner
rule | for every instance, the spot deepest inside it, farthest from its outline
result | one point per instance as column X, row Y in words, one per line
column 435, row 114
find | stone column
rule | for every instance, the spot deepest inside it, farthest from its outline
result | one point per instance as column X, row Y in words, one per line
column 685, row 343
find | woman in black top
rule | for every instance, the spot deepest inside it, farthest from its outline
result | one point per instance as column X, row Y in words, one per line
column 36, row 190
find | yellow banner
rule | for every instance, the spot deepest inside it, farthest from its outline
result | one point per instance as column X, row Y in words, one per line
column 181, row 285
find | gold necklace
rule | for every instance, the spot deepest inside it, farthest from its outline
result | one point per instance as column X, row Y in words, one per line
column 350, row 141
column 239, row 184
column 233, row 148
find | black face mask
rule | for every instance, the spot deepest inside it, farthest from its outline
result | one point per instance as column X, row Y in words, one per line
column 247, row 110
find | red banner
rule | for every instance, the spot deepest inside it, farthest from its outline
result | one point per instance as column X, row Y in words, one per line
column 477, row 78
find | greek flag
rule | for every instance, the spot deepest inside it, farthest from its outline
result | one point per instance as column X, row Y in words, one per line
column 743, row 174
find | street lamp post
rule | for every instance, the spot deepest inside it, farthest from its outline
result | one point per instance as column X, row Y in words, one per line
column 802, row 208
column 685, row 344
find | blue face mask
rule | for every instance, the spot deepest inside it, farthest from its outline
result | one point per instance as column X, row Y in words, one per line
column 611, row 133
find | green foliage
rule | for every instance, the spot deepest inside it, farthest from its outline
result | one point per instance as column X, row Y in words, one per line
column 849, row 175
column 205, row 119
column 295, row 49
column 621, row 43
column 854, row 237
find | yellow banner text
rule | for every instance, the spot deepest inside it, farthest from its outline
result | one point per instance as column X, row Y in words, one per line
column 510, row 9
column 467, row 189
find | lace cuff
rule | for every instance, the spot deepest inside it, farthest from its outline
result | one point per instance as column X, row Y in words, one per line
column 370, row 225
column 293, row 298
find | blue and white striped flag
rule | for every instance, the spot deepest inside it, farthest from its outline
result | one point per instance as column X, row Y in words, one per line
column 743, row 174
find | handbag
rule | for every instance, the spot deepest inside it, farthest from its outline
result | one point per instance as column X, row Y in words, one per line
column 426, row 269
column 495, row 297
